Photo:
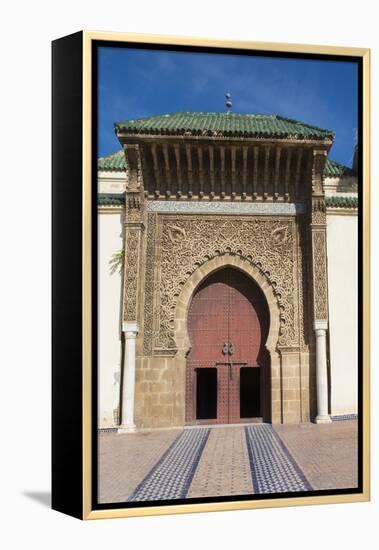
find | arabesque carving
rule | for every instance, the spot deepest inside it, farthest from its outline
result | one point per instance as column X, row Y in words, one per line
column 303, row 295
column 134, row 178
column 318, row 211
column 185, row 244
column 149, row 285
column 320, row 286
column 134, row 208
column 131, row 275
column 318, row 168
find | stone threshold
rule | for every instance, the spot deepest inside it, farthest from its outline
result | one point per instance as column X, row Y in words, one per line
column 237, row 425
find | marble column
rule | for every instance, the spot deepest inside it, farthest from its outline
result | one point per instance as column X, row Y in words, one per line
column 321, row 373
column 130, row 331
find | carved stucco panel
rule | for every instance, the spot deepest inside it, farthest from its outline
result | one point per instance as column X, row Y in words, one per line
column 302, row 282
column 320, row 285
column 131, row 275
column 184, row 244
column 318, row 211
column 149, row 285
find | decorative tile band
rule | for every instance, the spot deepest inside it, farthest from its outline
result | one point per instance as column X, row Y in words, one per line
column 273, row 469
column 171, row 477
column 216, row 207
column 341, row 417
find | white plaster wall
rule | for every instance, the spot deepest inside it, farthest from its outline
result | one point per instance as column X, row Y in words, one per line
column 343, row 187
column 343, row 299
column 111, row 182
column 109, row 304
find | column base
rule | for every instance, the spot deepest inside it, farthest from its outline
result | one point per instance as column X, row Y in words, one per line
column 324, row 419
column 124, row 429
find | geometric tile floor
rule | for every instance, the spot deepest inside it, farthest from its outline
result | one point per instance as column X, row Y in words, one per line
column 273, row 469
column 171, row 477
column 229, row 460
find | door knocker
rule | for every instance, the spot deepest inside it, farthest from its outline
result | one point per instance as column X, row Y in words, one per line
column 228, row 348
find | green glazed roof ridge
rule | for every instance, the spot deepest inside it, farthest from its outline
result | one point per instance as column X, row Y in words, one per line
column 111, row 199
column 223, row 123
column 336, row 169
column 341, row 202
column 226, row 114
column 115, row 161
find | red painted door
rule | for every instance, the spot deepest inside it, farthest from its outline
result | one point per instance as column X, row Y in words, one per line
column 227, row 324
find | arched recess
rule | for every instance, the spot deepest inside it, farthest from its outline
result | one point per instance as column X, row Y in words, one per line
column 248, row 268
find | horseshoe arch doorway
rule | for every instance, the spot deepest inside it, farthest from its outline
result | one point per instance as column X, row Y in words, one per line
column 228, row 366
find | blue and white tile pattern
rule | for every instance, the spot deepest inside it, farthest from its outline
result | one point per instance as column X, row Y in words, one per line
column 342, row 417
column 171, row 477
column 273, row 470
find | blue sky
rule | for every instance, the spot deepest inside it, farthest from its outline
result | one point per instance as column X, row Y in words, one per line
column 138, row 83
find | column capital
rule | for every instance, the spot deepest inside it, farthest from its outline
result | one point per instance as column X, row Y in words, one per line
column 130, row 327
column 320, row 324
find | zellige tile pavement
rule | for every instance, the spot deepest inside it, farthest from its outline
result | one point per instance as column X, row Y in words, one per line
column 222, row 461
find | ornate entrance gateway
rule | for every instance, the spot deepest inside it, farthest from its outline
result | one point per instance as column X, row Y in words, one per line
column 228, row 366
column 206, row 192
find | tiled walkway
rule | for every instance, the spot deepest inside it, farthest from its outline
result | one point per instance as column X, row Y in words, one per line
column 222, row 461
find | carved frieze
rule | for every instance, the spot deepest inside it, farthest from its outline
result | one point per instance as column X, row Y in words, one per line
column 184, row 244
column 219, row 207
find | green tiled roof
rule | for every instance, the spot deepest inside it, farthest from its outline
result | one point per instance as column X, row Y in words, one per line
column 334, row 169
column 115, row 162
column 224, row 124
column 110, row 199
column 342, row 202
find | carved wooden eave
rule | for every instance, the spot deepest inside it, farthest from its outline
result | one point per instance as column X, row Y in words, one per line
column 225, row 168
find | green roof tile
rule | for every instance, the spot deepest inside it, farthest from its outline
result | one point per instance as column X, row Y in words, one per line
column 111, row 199
column 224, row 124
column 116, row 162
column 341, row 202
column 334, row 169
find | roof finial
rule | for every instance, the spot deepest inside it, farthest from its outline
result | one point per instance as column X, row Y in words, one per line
column 228, row 102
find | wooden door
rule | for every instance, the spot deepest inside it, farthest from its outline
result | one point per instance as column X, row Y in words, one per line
column 227, row 323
